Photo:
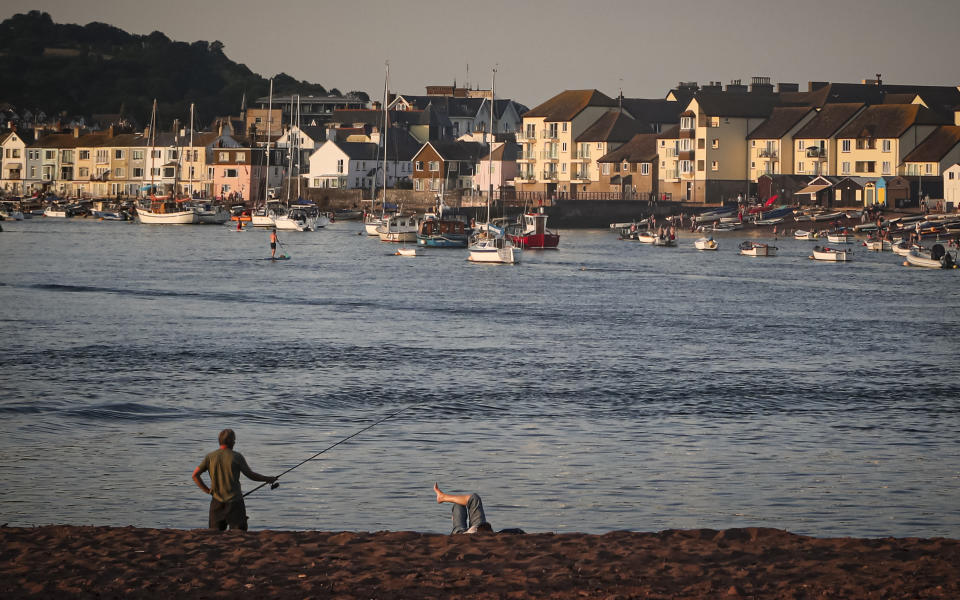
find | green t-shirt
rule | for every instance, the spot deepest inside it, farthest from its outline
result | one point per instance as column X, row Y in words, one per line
column 225, row 467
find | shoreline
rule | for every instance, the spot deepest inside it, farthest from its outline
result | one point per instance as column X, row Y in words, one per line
column 88, row 562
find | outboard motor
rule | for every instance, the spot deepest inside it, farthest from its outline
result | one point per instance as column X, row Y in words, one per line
column 947, row 261
column 937, row 252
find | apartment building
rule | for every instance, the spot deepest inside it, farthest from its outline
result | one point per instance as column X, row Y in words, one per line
column 771, row 143
column 631, row 171
column 876, row 141
column 815, row 142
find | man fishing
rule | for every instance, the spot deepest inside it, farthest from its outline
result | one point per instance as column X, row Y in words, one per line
column 225, row 466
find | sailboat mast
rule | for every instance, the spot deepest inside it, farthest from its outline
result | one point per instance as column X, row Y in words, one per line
column 190, row 185
column 386, row 128
column 493, row 94
column 298, row 147
column 266, row 185
column 152, row 141
column 290, row 153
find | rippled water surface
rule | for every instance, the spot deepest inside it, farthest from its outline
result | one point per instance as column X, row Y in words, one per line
column 606, row 385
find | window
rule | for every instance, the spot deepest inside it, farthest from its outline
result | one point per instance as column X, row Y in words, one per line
column 83, row 154
column 168, row 171
column 700, row 165
column 928, row 168
column 154, row 172
column 138, row 155
column 224, row 156
column 663, row 143
column 434, row 166
column 419, row 165
column 118, row 172
column 599, row 145
column 230, row 173
column 418, row 185
column 137, row 172
column 616, row 167
column 33, row 172
column 845, row 167
column 686, row 122
column 685, row 145
column 171, row 154
column 753, row 143
column 35, row 154
column 886, row 167
column 701, row 143
column 950, row 175
column 866, row 144
column 241, row 157
column 865, row 166
column 799, row 144
column 800, row 167
column 103, row 156
column 845, row 146
column 686, row 166
column 564, row 127
column 714, row 121
column 49, row 154
column 158, row 154
column 84, row 172
column 563, row 167
column 340, row 166
column 67, row 156
column 886, row 145
column 563, row 146
column 715, row 166
column 605, row 169
column 644, row 168
column 118, row 154
column 552, row 130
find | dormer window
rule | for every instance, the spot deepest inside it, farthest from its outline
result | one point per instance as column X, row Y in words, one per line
column 686, row 122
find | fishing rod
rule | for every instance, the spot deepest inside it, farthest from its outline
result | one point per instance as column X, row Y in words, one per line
column 275, row 484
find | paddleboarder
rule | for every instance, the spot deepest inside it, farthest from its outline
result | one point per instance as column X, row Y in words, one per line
column 226, row 498
column 273, row 243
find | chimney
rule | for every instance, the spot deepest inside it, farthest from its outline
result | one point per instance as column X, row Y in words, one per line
column 76, row 131
column 713, row 86
column 110, row 131
column 788, row 87
column 813, row 86
column 735, row 86
column 761, row 85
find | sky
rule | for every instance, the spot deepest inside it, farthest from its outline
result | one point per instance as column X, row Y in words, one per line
column 540, row 48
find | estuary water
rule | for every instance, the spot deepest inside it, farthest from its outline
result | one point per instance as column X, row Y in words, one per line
column 606, row 385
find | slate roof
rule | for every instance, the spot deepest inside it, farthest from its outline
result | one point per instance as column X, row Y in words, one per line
column 568, row 104
column 889, row 121
column 468, row 151
column 654, row 110
column 642, row 147
column 507, row 152
column 358, row 150
column 936, row 145
column 781, row 120
column 731, row 104
column 828, row 121
column 612, row 126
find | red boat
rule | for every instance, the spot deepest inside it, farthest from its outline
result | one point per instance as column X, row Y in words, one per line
column 532, row 232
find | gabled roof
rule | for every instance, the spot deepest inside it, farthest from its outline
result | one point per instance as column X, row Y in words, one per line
column 642, row 147
column 467, row 151
column 889, row 121
column 671, row 133
column 568, row 104
column 401, row 145
column 357, row 150
column 507, row 152
column 612, row 126
column 936, row 145
column 655, row 110
column 738, row 105
column 828, row 121
column 780, row 121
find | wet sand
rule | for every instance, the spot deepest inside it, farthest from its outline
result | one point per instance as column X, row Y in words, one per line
column 126, row 562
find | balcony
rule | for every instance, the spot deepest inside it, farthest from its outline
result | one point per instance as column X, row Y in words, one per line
column 549, row 134
column 670, row 174
column 580, row 157
column 768, row 153
column 672, row 152
column 817, row 152
column 549, row 176
column 527, row 157
column 580, row 176
column 549, row 156
column 524, row 136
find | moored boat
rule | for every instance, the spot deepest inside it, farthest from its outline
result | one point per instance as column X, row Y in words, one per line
column 831, row 254
column 532, row 232
column 440, row 232
column 398, row 228
column 878, row 245
column 937, row 258
column 840, row 237
column 166, row 211
column 706, row 243
column 490, row 248
column 802, row 234
column 749, row 248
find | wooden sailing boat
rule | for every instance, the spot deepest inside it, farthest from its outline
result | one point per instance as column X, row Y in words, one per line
column 159, row 210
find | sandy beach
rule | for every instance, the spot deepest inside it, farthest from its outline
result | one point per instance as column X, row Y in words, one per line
column 127, row 562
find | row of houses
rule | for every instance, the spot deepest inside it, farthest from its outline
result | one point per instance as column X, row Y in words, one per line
column 698, row 144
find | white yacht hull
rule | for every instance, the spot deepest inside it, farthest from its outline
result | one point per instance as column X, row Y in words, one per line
column 183, row 217
column 262, row 221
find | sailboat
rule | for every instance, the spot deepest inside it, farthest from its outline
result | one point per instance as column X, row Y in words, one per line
column 162, row 210
column 261, row 217
column 491, row 244
column 372, row 223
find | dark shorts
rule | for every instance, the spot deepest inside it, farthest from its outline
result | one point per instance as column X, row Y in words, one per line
column 223, row 514
column 273, row 245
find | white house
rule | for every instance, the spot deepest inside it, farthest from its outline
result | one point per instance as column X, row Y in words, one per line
column 13, row 154
column 951, row 187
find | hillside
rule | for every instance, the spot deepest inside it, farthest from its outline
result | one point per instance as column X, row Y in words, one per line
column 98, row 68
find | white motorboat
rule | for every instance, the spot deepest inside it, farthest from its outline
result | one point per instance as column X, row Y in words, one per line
column 802, row 234
column 878, row 245
column 749, row 248
column 56, row 212
column 646, row 237
column 937, row 258
column 494, row 249
column 666, row 241
column 903, row 248
column 398, row 229
column 706, row 243
column 840, row 238
column 291, row 223
column 262, row 219
column 411, row 251
column 831, row 254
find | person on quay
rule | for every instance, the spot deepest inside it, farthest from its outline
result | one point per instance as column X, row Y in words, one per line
column 273, row 243
column 226, row 498
column 464, row 506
